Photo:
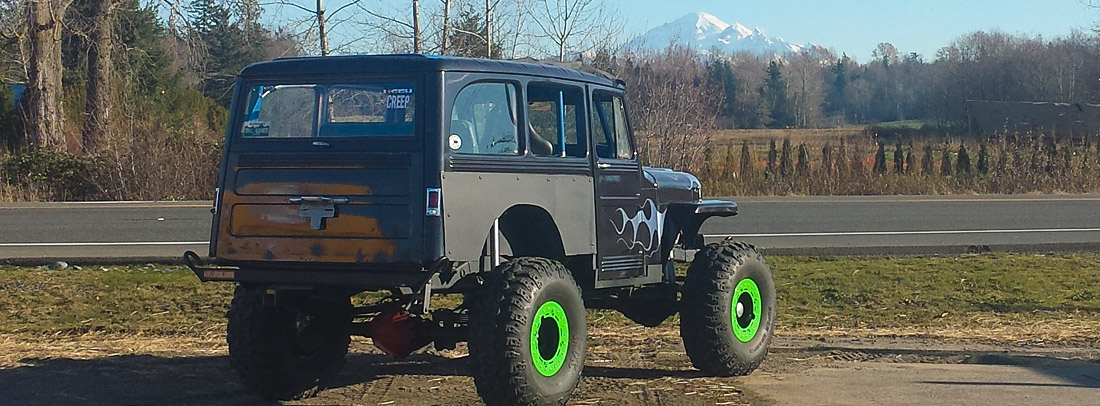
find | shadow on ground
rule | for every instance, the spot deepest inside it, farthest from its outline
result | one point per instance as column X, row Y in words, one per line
column 144, row 379
column 1068, row 373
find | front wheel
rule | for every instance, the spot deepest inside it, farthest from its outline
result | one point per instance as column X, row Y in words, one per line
column 727, row 315
column 528, row 334
column 287, row 350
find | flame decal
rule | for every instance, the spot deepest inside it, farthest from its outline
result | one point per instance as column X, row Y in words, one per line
column 648, row 215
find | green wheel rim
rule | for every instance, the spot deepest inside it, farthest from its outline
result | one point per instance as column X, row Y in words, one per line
column 745, row 310
column 548, row 349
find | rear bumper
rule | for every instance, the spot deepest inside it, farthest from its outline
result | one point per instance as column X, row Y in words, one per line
column 365, row 276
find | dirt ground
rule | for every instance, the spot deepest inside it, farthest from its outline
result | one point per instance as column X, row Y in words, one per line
column 623, row 368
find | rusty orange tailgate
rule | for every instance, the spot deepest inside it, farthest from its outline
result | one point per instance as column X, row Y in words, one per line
column 345, row 209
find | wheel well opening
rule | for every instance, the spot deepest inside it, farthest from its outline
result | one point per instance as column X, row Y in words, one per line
column 531, row 232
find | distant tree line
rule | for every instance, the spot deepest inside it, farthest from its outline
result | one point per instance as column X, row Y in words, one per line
column 816, row 88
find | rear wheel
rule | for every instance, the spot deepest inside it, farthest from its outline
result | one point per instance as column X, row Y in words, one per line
column 528, row 334
column 287, row 350
column 727, row 315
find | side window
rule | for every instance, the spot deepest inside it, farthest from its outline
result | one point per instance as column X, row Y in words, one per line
column 609, row 127
column 555, row 121
column 483, row 120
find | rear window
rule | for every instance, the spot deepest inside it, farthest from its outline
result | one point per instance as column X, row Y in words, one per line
column 329, row 110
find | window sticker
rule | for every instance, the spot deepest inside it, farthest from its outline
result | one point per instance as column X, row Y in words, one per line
column 397, row 101
column 255, row 129
column 454, row 141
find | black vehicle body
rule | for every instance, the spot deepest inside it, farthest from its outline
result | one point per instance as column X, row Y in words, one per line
column 516, row 185
column 384, row 211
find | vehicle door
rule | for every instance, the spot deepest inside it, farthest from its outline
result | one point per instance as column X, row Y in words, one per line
column 626, row 227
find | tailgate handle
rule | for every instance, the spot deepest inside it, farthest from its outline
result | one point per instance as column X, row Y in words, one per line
column 317, row 209
column 319, row 199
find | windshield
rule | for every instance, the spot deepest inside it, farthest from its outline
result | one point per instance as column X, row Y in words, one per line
column 329, row 110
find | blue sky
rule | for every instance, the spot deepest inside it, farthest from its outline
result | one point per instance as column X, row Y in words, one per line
column 856, row 26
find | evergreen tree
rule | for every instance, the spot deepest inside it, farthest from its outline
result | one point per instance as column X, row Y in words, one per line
column 769, row 172
column 720, row 76
column 728, row 172
column 468, row 36
column 775, row 94
column 838, row 90
column 803, row 165
column 899, row 157
column 1097, row 147
column 142, row 55
column 842, row 166
column 983, row 158
column 910, row 161
column 785, row 163
column 1085, row 149
column 880, row 159
column 945, row 161
column 1067, row 160
column 962, row 166
column 1051, row 149
column 8, row 121
column 746, row 159
column 926, row 161
column 229, row 44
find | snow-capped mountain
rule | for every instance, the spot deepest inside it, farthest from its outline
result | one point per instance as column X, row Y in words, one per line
column 706, row 33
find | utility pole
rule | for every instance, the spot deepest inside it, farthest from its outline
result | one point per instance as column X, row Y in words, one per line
column 416, row 26
column 321, row 31
column 488, row 29
column 446, row 27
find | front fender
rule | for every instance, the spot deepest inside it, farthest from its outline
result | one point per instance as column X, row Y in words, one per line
column 683, row 220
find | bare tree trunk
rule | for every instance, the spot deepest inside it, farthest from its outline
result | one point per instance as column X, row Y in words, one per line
column 416, row 26
column 446, row 27
column 321, row 30
column 488, row 29
column 97, row 109
column 42, row 102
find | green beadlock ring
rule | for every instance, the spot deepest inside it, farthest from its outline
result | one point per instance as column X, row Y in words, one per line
column 553, row 311
column 746, row 333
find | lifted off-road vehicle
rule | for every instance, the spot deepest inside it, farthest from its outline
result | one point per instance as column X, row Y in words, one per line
column 515, row 185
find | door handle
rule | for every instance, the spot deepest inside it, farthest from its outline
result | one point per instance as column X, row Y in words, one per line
column 602, row 165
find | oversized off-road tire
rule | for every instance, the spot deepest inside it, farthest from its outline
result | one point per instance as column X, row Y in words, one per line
column 528, row 334
column 727, row 312
column 289, row 349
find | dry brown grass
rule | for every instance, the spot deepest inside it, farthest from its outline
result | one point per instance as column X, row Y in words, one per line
column 816, row 137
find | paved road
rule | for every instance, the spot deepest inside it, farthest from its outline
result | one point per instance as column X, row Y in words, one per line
column 918, row 372
column 914, row 224
column 103, row 229
column 828, row 225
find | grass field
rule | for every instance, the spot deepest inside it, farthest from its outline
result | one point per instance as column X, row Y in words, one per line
column 759, row 138
column 1012, row 297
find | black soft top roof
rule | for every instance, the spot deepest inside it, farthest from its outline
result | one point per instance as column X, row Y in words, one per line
column 359, row 64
